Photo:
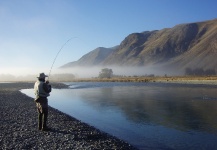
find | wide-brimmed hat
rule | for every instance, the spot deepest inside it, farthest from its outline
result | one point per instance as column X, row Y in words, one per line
column 41, row 75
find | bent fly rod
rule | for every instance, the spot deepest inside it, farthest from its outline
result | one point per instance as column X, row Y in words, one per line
column 58, row 54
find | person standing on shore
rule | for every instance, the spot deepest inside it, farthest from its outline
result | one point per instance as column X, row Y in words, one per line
column 42, row 89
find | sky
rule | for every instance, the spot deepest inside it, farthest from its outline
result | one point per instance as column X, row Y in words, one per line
column 32, row 32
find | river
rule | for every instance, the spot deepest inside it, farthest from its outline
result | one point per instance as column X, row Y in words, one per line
column 146, row 115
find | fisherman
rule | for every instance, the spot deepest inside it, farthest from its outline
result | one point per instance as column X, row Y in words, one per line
column 42, row 89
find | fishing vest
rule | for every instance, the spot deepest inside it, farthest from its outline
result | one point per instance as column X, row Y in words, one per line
column 39, row 90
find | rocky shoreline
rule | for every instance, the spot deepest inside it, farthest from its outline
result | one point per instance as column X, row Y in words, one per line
column 18, row 125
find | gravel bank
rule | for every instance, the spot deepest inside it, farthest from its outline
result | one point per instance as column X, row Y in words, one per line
column 18, row 125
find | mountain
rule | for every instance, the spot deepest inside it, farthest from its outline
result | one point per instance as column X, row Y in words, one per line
column 93, row 58
column 191, row 45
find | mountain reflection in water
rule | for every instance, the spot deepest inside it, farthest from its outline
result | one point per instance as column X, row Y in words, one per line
column 171, row 116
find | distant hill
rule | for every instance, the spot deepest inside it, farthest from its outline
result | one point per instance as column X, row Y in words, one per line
column 93, row 58
column 191, row 45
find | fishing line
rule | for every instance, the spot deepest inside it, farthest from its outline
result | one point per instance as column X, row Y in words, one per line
column 58, row 54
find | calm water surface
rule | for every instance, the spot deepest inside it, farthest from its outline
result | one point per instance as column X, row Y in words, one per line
column 146, row 115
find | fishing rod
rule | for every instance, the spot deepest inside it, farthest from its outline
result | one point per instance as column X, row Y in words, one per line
column 58, row 54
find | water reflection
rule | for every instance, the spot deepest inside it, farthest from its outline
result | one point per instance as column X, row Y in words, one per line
column 153, row 116
column 182, row 108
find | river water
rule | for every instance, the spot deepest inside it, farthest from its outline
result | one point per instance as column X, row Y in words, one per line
column 146, row 115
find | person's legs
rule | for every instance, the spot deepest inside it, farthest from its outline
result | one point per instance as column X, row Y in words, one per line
column 45, row 115
column 40, row 120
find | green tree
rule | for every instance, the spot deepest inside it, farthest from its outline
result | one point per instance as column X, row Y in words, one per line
column 106, row 73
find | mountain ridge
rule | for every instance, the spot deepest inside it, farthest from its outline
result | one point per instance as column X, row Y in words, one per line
column 185, row 45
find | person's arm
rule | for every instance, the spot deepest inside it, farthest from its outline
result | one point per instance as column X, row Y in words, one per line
column 47, row 87
column 36, row 89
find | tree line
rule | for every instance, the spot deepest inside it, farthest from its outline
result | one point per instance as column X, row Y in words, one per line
column 200, row 72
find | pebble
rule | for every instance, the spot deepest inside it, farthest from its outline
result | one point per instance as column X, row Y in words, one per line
column 18, row 125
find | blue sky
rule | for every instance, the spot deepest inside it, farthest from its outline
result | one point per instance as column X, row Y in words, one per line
column 33, row 31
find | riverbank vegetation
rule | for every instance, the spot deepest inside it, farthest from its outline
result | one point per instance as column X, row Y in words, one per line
column 165, row 78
